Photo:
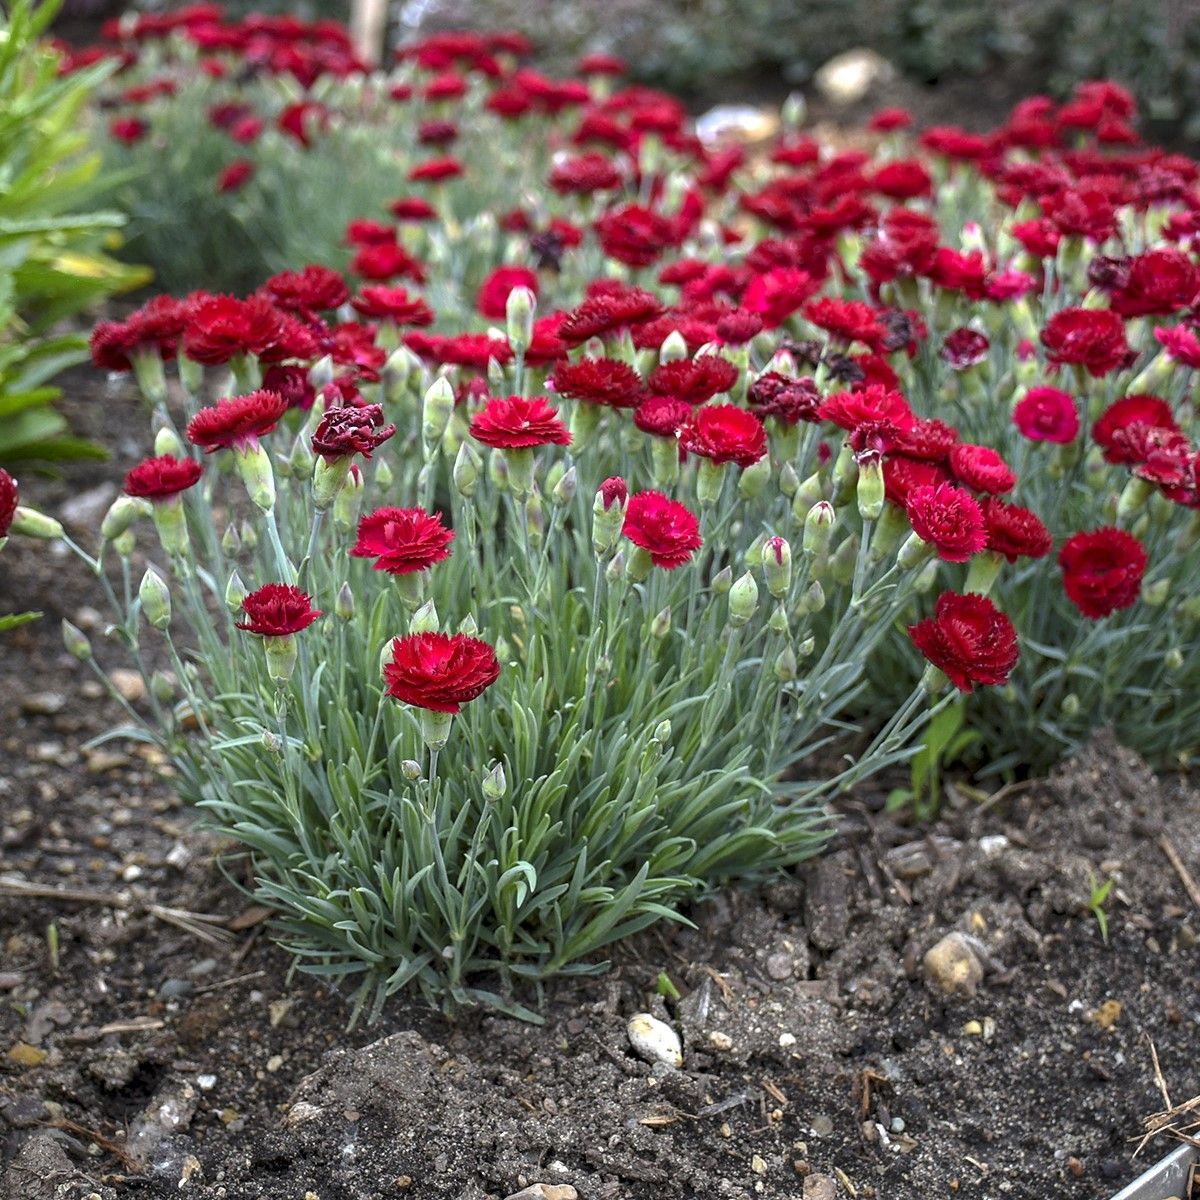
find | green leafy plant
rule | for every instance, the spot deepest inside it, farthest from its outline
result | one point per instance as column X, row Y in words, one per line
column 1097, row 898
column 52, row 262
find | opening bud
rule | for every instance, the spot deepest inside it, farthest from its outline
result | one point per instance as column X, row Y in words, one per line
column 777, row 566
column 495, row 784
column 436, row 411
column 518, row 318
column 424, row 620
column 743, row 600
column 156, row 599
column 566, row 487
column 410, row 769
column 76, row 642
column 235, row 593
column 166, row 441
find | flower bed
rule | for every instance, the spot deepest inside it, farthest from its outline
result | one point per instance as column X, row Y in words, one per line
column 563, row 618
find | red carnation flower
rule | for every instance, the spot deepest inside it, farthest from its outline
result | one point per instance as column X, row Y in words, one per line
column 222, row 327
column 517, row 423
column 930, row 440
column 1087, row 337
column 613, row 490
column 949, row 519
column 392, row 304
column 236, row 421
column 440, row 671
column 634, row 235
column 847, row 320
column 492, row 299
column 351, row 429
column 382, row 261
column 964, row 348
column 605, row 381
column 402, row 540
column 666, row 530
column 607, row 313
column 8, row 501
column 1158, row 283
column 725, row 433
column 1181, row 344
column 128, row 130
column 969, row 639
column 873, row 404
column 161, row 478
column 311, row 290
column 785, row 398
column 1013, row 531
column 1114, row 429
column 436, row 170
column 981, row 468
column 776, row 294
column 474, row 350
column 1102, row 571
column 235, row 176
column 739, row 327
column 662, row 416
column 412, row 208
column 277, row 610
column 585, row 175
column 694, row 380
column 1045, row 414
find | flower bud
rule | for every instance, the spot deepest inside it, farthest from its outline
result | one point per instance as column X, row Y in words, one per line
column 615, row 571
column 162, row 687
column 661, row 625
column 231, row 543
column 664, row 462
column 410, row 769
column 328, row 478
column 870, row 487
column 806, row 648
column 28, row 522
column 468, row 626
column 662, row 731
column 786, row 667
column 818, row 527
column 640, row 565
column 674, row 347
column 754, row 479
column 425, row 619
column 436, row 411
column 343, row 605
column 122, row 513
column 156, row 599
column 166, row 441
column 1155, row 593
column 743, row 600
column 235, row 593
column 794, row 111
column 302, row 461
column 435, row 728
column 566, row 487
column 777, row 622
column 495, row 784
column 754, row 552
column 926, row 577
column 841, row 562
column 254, row 465
column 383, row 474
column 892, row 527
column 125, row 544
column 76, row 642
column 535, row 518
column 248, row 535
column 466, row 470
column 272, row 742
column 813, row 600
column 518, row 318
column 845, row 474
column 348, row 501
column 789, row 481
column 1173, row 659
column 1133, row 498
column 811, row 491
column 913, row 552
column 982, row 572
column 722, row 581
column 1070, row 705
column 496, row 382
column 608, row 515
column 777, row 566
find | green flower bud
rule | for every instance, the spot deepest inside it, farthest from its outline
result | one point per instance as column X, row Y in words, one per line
column 348, row 501
column 466, row 470
column 845, row 475
column 661, row 625
column 468, row 626
column 191, row 375
column 794, row 111
column 166, row 441
column 662, row 731
column 383, row 474
column 927, row 577
column 518, row 318
column 818, row 527
column 891, row 528
column 1173, row 659
column 743, row 600
column 76, row 641
column 608, row 515
column 436, row 411
column 777, row 566
column 151, row 378
column 640, row 565
column 913, row 552
column 753, row 480
column 777, row 622
column 674, row 348
column 230, row 542
column 564, row 490
column 254, row 465
column 806, row 648
column 28, row 522
column 1070, row 705
column 497, row 384
column 235, row 593
column 585, row 420
column 272, row 742
column 813, row 600
column 495, row 784
column 249, row 535
column 410, row 769
column 841, row 563
column 1133, row 498
column 722, row 581
column 162, row 687
column 786, row 667
column 1155, row 594
column 535, row 518
column 789, row 481
column 870, row 489
column 753, row 555
column 709, row 478
column 156, row 599
column 425, row 619
column 343, row 605
column 122, row 513
column 124, row 544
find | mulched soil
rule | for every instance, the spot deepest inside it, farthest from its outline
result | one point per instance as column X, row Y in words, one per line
column 148, row 1053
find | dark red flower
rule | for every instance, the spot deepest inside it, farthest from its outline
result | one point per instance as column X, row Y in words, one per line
column 739, row 327
column 392, row 304
column 725, row 433
column 662, row 416
column 949, row 519
column 963, row 348
column 163, row 477
column 8, row 501
column 969, row 639
column 517, row 423
column 666, row 530
column 930, row 440
column 873, row 404
column 440, row 671
column 605, row 381
column 846, row 320
column 436, row 170
column 492, row 297
column 402, row 540
column 981, row 468
column 235, row 176
column 608, row 312
column 1013, row 531
column 474, row 350
column 585, row 175
column 787, row 399
column 1046, row 414
column 1181, row 344
column 412, row 208
column 1112, row 430
column 902, row 476
column 634, row 235
column 1102, row 570
column 351, row 429
column 902, row 179
column 382, row 261
column 221, row 327
column 1087, row 337
column 694, row 380
column 236, row 421
column 312, row 289
column 1158, row 283
column 277, row 610
column 776, row 294
column 613, row 490
column 128, row 130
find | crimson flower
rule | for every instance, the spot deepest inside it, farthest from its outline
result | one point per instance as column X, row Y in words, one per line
column 662, row 527
column 981, row 468
column 392, row 304
column 608, row 312
column 1045, row 414
column 585, row 175
column 221, row 327
column 964, row 348
column 604, row 381
column 492, row 298
column 8, row 501
column 402, row 540
column 517, row 423
column 161, row 478
column 903, row 475
column 873, row 404
column 949, row 519
column 789, row 400
column 694, row 380
column 1013, row 531
column 725, row 433
column 236, row 421
column 662, row 416
column 436, row 170
column 1102, row 570
column 634, row 235
column 846, row 320
column 350, row 429
column 1158, row 283
column 1092, row 338
column 1113, row 430
column 439, row 671
column 235, row 176
column 969, row 639
column 310, row 290
column 277, row 610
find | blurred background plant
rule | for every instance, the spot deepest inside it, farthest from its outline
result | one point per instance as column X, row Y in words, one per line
column 53, row 260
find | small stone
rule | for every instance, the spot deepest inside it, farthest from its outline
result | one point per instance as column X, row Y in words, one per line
column 42, row 704
column 274, row 1063
column 129, row 684
column 654, row 1040
column 973, row 1029
column 1106, row 1015
column 953, row 965
column 787, row 1040
column 758, row 1165
column 301, row 1112
column 174, row 989
column 101, row 761
column 1075, row 1166
column 850, row 76
column 545, row 1191
column 25, row 1055
column 820, row 1187
column 822, row 1126
column 720, row 1041
column 132, row 873
column 780, row 966
column 896, row 1125
column 191, row 1167
column 277, row 1010
column 206, row 1083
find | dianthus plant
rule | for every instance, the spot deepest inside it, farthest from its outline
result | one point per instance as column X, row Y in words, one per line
column 483, row 675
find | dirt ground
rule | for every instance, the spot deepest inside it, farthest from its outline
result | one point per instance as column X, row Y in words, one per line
column 152, row 1043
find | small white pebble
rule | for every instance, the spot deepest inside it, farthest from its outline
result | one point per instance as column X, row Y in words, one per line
column 787, row 1039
